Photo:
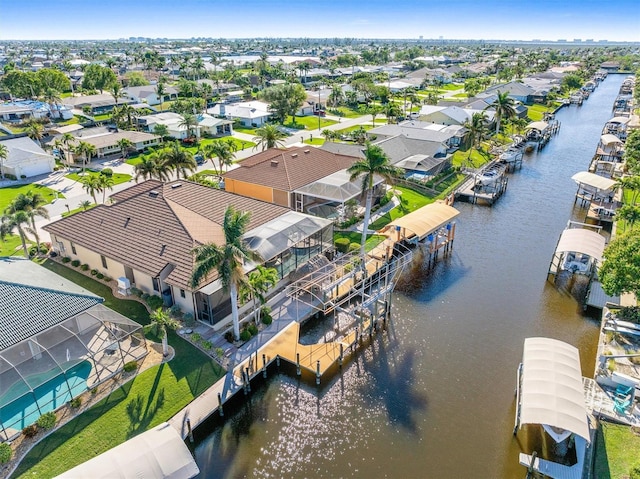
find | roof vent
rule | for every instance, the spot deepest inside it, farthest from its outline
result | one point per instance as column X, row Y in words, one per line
column 294, row 155
column 154, row 193
column 274, row 162
column 126, row 223
column 306, row 151
column 176, row 185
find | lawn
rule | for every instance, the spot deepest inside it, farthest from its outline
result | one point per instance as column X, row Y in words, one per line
column 460, row 158
column 536, row 112
column 77, row 210
column 245, row 130
column 617, row 450
column 308, row 123
column 345, row 112
column 118, row 178
column 344, row 131
column 8, row 193
column 411, row 201
column 151, row 398
column 315, row 141
column 12, row 246
column 355, row 237
column 102, row 117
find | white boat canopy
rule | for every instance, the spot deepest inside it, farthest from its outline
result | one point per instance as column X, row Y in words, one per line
column 591, row 179
column 619, row 119
column 282, row 233
column 159, row 453
column 551, row 392
column 610, row 139
column 335, row 187
column 425, row 220
column 578, row 240
column 537, row 125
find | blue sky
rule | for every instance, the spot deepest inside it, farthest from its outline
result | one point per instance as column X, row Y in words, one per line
column 465, row 19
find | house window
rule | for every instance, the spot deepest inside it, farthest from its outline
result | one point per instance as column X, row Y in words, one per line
column 73, row 248
column 182, row 294
column 156, row 284
column 104, row 262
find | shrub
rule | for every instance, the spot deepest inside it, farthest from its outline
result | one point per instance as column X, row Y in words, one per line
column 253, row 329
column 130, row 366
column 93, row 272
column 94, row 391
column 175, row 311
column 30, row 431
column 348, row 268
column 85, row 267
column 66, row 259
column 229, row 337
column 206, row 345
column 76, row 402
column 630, row 313
column 634, row 473
column 196, row 337
column 188, row 320
column 47, row 420
column 75, row 263
column 136, row 292
column 245, row 335
column 99, row 275
column 106, row 279
column 386, row 198
column 342, row 245
column 5, row 453
column 53, row 254
column 219, row 352
column 266, row 320
column 354, row 247
column 144, row 296
column 107, row 172
column 154, row 302
column 265, row 315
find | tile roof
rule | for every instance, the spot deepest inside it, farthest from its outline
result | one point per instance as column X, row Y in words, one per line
column 290, row 169
column 154, row 225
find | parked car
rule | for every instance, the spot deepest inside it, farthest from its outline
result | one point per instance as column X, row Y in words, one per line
column 199, row 159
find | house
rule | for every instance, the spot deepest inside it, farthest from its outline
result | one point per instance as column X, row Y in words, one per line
column 149, row 95
column 451, row 135
column 25, row 158
column 452, row 115
column 106, row 140
column 173, row 121
column 318, row 99
column 149, row 232
column 516, row 91
column 275, row 174
column 97, row 104
column 219, row 88
column 57, row 340
column 20, row 111
column 250, row 114
column 211, row 126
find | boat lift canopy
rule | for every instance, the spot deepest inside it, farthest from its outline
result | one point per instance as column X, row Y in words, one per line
column 619, row 119
column 610, row 139
column 159, row 453
column 537, row 125
column 595, row 181
column 424, row 221
column 551, row 390
column 583, row 241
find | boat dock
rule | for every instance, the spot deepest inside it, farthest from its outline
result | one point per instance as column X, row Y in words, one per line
column 484, row 186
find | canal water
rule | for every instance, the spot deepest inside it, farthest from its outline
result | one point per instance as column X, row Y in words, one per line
column 433, row 396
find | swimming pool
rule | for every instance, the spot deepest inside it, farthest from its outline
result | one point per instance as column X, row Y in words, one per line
column 29, row 405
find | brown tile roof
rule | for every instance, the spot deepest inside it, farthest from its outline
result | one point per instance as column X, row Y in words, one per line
column 290, row 169
column 152, row 225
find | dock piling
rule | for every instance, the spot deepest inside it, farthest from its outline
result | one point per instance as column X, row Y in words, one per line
column 190, row 431
column 264, row 366
column 248, row 381
column 318, row 373
column 341, row 355
column 278, row 361
column 220, row 410
column 298, row 372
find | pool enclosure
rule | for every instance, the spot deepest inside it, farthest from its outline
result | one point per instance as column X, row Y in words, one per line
column 44, row 371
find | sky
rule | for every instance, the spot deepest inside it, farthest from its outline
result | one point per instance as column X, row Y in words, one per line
column 455, row 19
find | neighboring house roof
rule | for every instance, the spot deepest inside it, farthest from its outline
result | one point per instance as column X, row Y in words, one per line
column 287, row 170
column 148, row 90
column 153, row 225
column 33, row 299
column 104, row 99
column 22, row 149
column 112, row 138
column 248, row 109
column 513, row 88
column 400, row 147
column 417, row 130
column 61, row 130
column 209, row 121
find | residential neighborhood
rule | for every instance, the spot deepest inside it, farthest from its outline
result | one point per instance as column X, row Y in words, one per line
column 354, row 233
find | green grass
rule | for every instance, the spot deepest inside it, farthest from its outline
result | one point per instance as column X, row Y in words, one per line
column 134, row 161
column 12, row 246
column 536, row 112
column 151, row 398
column 617, row 450
column 77, row 210
column 459, row 95
column 411, row 201
column 355, row 237
column 102, row 117
column 460, row 158
column 245, row 130
column 344, row 131
column 308, row 123
column 8, row 193
column 315, row 141
column 118, row 178
column 346, row 112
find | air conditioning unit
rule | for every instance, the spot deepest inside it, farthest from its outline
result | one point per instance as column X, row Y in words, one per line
column 124, row 286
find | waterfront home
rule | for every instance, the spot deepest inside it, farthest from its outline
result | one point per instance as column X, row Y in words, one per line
column 25, row 158
column 105, row 140
column 174, row 123
column 451, row 115
column 451, row 135
column 517, row 91
column 97, row 104
column 249, row 114
column 146, row 237
column 56, row 341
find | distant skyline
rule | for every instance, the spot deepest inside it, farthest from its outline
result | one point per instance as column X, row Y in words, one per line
column 459, row 19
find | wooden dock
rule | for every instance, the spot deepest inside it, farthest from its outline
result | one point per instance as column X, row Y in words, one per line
column 474, row 191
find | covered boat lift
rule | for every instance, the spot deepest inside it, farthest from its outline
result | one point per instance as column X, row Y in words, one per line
column 579, row 250
column 550, row 393
column 159, row 453
column 593, row 187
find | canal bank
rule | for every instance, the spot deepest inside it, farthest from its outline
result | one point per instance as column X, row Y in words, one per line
column 433, row 396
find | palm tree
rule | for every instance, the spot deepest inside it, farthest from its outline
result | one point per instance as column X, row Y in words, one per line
column 105, row 182
column 116, row 91
column 259, row 282
column 189, row 121
column 221, row 150
column 477, row 127
column 84, row 205
column 35, row 131
column 4, row 154
column 87, row 150
column 375, row 162
column 19, row 221
column 392, row 111
column 160, row 321
column 125, row 145
column 329, row 135
column 227, row 259
column 161, row 130
column 504, row 107
column 32, row 204
column 374, row 110
column 147, row 168
column 67, row 140
column 268, row 136
column 91, row 183
column 160, row 92
column 52, row 97
column 178, row 159
column 630, row 214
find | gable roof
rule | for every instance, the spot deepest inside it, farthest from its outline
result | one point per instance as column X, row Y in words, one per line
column 21, row 149
column 154, row 225
column 33, row 299
column 288, row 170
column 513, row 88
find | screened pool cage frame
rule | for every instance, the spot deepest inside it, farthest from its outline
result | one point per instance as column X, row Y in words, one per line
column 43, row 372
